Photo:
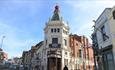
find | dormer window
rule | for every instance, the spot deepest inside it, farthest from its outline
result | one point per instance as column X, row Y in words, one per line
column 114, row 14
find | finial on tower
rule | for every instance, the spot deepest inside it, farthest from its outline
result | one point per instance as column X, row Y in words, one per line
column 56, row 15
column 56, row 9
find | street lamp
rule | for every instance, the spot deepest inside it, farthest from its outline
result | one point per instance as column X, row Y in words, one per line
column 2, row 41
column 1, row 53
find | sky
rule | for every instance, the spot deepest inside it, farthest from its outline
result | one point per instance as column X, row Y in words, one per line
column 22, row 21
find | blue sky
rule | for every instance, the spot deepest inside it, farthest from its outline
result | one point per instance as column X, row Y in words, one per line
column 23, row 21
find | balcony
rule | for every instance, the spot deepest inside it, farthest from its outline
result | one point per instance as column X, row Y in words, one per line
column 54, row 53
column 54, row 45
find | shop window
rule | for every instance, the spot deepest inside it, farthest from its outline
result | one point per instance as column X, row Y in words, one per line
column 108, row 61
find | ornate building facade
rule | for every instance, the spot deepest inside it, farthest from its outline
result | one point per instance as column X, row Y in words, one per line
column 56, row 50
column 56, row 42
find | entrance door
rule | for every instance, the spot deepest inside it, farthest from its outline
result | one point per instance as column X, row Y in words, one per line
column 54, row 63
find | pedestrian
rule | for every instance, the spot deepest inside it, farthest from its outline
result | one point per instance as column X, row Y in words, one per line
column 65, row 68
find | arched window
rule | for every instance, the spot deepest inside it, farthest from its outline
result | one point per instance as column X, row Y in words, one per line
column 54, row 29
column 58, row 30
column 114, row 14
column 65, row 42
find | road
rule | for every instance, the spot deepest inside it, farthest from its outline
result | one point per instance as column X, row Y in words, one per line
column 6, row 69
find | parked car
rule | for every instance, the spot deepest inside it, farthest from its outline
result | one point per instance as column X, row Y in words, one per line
column 13, row 66
column 7, row 64
column 21, row 67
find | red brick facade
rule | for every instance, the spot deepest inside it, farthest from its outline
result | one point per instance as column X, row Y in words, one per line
column 81, row 48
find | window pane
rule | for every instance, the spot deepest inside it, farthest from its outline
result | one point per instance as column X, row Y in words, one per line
column 58, row 30
column 65, row 42
column 54, row 40
column 80, row 53
column 51, row 30
column 55, row 30
column 103, row 33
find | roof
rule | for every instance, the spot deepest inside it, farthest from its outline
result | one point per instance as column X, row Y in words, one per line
column 103, row 13
column 56, row 15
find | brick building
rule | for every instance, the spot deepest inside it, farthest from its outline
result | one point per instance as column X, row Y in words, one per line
column 82, row 52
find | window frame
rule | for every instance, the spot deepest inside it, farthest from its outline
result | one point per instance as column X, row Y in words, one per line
column 52, row 30
column 65, row 42
column 103, row 33
column 58, row 30
column 55, row 40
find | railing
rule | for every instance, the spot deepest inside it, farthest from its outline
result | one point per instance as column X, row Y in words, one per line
column 54, row 45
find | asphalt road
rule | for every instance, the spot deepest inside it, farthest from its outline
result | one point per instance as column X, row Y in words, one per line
column 3, row 67
column 6, row 69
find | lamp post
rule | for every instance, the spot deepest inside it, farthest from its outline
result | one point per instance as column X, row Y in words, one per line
column 1, row 53
column 95, row 50
column 2, row 41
